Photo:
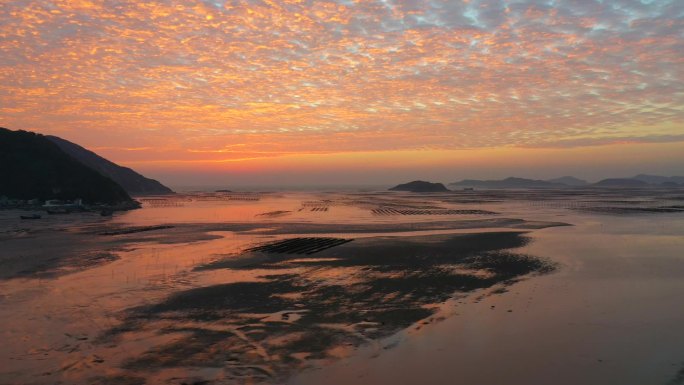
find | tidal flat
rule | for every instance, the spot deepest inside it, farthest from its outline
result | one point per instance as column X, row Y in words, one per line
column 474, row 287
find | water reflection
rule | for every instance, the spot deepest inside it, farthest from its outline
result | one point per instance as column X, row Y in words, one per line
column 180, row 292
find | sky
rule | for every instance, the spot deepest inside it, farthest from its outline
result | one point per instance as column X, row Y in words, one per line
column 352, row 92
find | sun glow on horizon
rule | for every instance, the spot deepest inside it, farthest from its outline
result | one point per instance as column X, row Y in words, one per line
column 233, row 85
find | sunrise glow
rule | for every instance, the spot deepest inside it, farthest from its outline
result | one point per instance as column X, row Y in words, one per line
column 235, row 86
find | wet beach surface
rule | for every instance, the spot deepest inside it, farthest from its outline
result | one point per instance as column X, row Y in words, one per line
column 580, row 286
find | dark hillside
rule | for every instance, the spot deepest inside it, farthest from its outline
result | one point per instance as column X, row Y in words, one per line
column 31, row 166
column 131, row 181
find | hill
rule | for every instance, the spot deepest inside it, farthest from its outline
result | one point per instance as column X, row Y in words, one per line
column 34, row 167
column 511, row 182
column 569, row 181
column 658, row 179
column 621, row 182
column 420, row 186
column 641, row 180
column 131, row 181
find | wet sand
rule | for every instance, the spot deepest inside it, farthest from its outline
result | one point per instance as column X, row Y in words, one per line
column 610, row 314
column 324, row 288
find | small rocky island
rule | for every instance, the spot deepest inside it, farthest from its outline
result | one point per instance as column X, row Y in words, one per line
column 420, row 186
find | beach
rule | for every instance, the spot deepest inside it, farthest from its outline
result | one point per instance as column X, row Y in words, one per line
column 517, row 287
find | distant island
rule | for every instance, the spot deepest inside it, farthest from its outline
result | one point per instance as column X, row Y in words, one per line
column 639, row 181
column 621, row 182
column 420, row 186
column 511, row 182
column 658, row 179
column 38, row 168
column 569, row 181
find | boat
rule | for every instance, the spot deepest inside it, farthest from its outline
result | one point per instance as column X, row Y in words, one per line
column 32, row 216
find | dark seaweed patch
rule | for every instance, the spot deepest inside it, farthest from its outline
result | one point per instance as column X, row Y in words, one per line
column 300, row 245
column 240, row 296
column 116, row 380
column 272, row 327
column 138, row 229
column 503, row 263
column 390, row 254
column 54, row 267
column 203, row 348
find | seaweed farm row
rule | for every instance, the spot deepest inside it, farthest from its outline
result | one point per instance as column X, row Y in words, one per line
column 136, row 229
column 181, row 201
column 316, row 203
column 162, row 202
column 228, row 197
column 391, row 211
column 300, row 245
column 273, row 214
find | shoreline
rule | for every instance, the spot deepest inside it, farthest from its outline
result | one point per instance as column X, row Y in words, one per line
column 163, row 293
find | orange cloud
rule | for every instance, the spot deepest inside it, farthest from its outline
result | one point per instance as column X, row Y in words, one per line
column 190, row 78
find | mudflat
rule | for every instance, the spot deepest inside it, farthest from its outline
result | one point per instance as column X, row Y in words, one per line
column 299, row 287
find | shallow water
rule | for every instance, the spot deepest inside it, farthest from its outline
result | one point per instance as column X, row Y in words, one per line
column 610, row 314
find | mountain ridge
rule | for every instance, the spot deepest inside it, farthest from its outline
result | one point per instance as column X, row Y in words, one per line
column 569, row 180
column 134, row 183
column 510, row 182
column 33, row 167
column 659, row 179
column 641, row 180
